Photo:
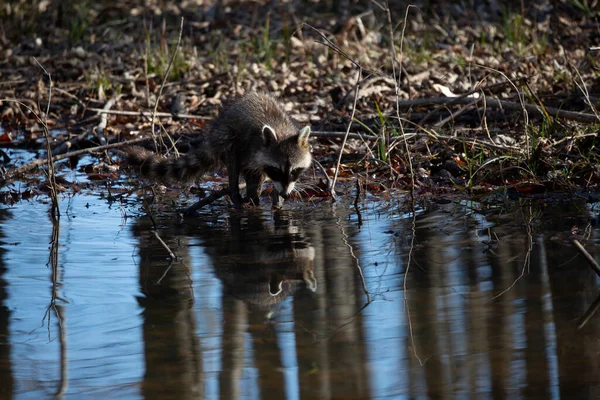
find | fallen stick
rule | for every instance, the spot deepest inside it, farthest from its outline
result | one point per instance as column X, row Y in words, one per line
column 104, row 120
column 502, row 104
column 99, row 129
column 11, row 174
column 211, row 198
column 148, row 114
column 341, row 135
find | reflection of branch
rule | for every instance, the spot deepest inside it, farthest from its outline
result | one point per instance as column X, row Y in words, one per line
column 356, row 199
column 171, row 254
column 62, row 336
column 316, row 336
column 410, row 253
column 168, row 267
column 593, row 264
column 527, row 261
column 362, row 277
column 589, row 313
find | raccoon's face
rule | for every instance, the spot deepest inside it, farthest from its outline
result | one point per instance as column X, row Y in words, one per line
column 286, row 160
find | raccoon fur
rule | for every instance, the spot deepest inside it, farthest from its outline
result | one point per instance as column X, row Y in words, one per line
column 252, row 136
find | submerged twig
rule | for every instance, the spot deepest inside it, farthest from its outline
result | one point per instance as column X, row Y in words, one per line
column 211, row 198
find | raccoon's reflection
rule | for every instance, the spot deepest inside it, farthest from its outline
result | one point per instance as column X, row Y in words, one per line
column 262, row 261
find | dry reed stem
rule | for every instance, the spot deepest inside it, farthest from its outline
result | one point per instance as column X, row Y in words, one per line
column 397, row 75
column 585, row 92
column 55, row 212
column 163, row 85
column 337, row 167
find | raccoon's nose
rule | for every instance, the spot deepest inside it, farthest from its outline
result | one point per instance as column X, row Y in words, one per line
column 284, row 194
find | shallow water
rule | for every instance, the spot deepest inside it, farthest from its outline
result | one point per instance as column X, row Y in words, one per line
column 453, row 300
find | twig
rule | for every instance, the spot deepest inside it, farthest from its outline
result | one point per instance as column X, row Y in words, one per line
column 452, row 116
column 211, row 198
column 460, row 98
column 356, row 200
column 104, row 120
column 593, row 264
column 412, row 175
column 147, row 114
column 501, row 104
column 67, row 144
column 146, row 208
column 163, row 84
column 337, row 167
column 585, row 92
column 320, row 167
column 34, row 164
column 335, row 48
column 55, row 212
column 341, row 135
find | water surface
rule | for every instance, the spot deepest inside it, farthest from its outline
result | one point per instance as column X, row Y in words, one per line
column 447, row 300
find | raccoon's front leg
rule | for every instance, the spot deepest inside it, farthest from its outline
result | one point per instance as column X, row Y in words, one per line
column 233, row 170
column 254, row 184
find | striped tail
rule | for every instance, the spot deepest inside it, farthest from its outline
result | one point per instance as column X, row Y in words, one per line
column 168, row 170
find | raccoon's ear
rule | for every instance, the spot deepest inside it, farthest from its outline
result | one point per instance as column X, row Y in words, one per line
column 269, row 135
column 303, row 136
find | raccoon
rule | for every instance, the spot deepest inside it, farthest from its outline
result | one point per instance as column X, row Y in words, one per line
column 253, row 137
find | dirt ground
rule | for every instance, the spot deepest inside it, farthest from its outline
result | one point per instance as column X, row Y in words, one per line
column 469, row 97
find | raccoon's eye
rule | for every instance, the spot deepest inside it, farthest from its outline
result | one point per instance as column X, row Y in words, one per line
column 275, row 174
column 295, row 174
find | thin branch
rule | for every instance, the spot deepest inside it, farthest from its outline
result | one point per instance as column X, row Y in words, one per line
column 165, row 80
column 397, row 77
column 337, row 167
column 211, row 198
column 147, row 114
column 51, row 173
column 34, row 164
